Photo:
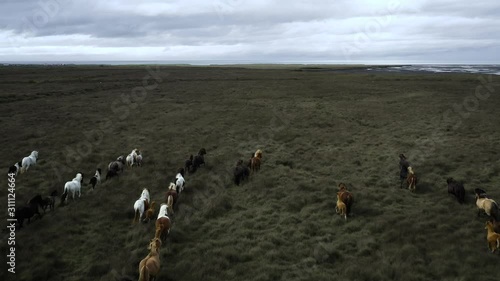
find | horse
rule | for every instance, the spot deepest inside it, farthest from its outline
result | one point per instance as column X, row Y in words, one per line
column 489, row 206
column 188, row 163
column 49, row 201
column 492, row 237
column 141, row 205
column 255, row 164
column 28, row 211
column 149, row 267
column 198, row 160
column 138, row 159
column 29, row 161
column 179, row 183
column 341, row 208
column 411, row 179
column 73, row 186
column 96, row 179
column 496, row 225
column 171, row 197
column 151, row 211
column 346, row 197
column 14, row 169
column 132, row 157
column 115, row 167
column 456, row 188
column 241, row 172
column 163, row 223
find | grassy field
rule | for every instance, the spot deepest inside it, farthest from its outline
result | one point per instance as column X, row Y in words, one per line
column 316, row 129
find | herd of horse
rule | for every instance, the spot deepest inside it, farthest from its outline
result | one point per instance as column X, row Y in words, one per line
column 456, row 188
column 144, row 208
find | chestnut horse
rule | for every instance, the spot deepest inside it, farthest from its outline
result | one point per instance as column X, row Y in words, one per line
column 411, row 180
column 149, row 267
column 346, row 197
column 171, row 197
column 163, row 223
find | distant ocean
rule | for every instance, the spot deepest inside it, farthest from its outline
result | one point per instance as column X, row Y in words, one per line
column 441, row 68
column 377, row 67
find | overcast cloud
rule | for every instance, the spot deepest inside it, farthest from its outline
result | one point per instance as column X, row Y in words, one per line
column 394, row 31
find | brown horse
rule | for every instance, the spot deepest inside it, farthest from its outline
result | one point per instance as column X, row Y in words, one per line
column 149, row 267
column 163, row 223
column 151, row 211
column 346, row 197
column 411, row 180
column 171, row 197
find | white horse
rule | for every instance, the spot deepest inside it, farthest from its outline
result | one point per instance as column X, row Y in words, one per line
column 141, row 205
column 179, row 182
column 29, row 161
column 73, row 186
column 132, row 158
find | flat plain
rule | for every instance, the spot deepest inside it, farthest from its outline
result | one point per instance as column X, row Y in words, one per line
column 316, row 127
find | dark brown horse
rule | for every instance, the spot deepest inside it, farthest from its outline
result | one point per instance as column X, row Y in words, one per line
column 456, row 188
column 241, row 172
column 26, row 212
column 346, row 197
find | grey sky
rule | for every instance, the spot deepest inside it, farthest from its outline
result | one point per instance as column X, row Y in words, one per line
column 395, row 31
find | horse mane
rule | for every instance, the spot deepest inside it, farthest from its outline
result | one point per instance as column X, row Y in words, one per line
column 410, row 170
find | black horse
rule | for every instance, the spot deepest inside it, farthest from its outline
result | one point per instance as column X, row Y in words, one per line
column 28, row 211
column 241, row 172
column 456, row 188
column 188, row 163
column 198, row 160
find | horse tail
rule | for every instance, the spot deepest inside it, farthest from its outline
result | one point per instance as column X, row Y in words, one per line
column 158, row 230
column 144, row 273
column 136, row 215
column 494, row 212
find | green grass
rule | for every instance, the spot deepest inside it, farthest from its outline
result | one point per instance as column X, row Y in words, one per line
column 316, row 129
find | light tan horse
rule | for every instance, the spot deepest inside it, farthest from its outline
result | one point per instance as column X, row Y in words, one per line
column 163, row 223
column 411, row 180
column 149, row 267
column 341, row 208
column 492, row 237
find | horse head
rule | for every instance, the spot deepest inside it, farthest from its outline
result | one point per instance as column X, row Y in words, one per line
column 181, row 171
column 172, row 186
column 34, row 153
column 79, row 177
column 202, row 152
column 154, row 245
column 410, row 170
column 342, row 186
column 450, row 180
column 258, row 153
